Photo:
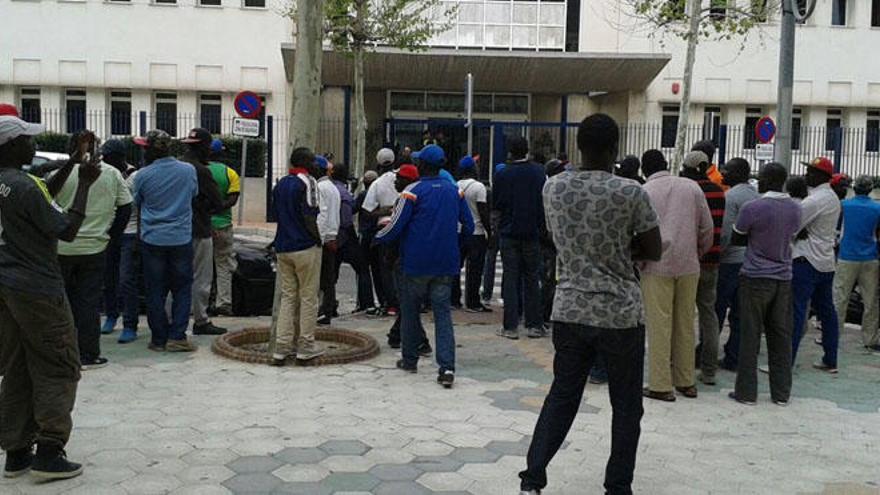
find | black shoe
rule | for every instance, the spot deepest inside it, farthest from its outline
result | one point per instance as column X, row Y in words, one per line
column 223, row 311
column 93, row 364
column 18, row 462
column 446, row 378
column 324, row 320
column 51, row 464
column 394, row 344
column 425, row 350
column 208, row 329
column 374, row 311
column 409, row 368
column 479, row 309
column 727, row 365
column 733, row 396
column 277, row 361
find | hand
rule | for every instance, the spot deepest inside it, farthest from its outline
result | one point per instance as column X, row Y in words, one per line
column 332, row 246
column 90, row 171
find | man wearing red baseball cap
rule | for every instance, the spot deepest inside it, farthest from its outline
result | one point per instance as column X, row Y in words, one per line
column 7, row 109
column 814, row 262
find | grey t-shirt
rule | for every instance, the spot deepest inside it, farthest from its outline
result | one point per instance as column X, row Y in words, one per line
column 593, row 217
column 30, row 223
column 735, row 198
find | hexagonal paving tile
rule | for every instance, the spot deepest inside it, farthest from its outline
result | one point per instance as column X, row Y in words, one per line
column 347, row 464
column 508, row 448
column 301, row 455
column 301, row 489
column 150, row 483
column 344, row 447
column 389, row 456
column 400, row 488
column 252, row 483
column 396, row 472
column 341, row 482
column 254, row 464
column 469, row 455
column 205, row 474
column 436, row 464
column 207, row 457
column 302, row 473
column 445, row 481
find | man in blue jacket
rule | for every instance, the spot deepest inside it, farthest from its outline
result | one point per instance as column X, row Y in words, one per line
column 426, row 221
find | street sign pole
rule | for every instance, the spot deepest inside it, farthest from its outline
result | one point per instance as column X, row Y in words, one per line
column 469, row 80
column 248, row 105
column 782, row 153
column 244, row 143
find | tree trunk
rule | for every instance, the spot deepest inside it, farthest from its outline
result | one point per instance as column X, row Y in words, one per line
column 306, row 108
column 360, row 118
column 684, row 109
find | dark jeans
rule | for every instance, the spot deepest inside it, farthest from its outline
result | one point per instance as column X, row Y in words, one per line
column 726, row 299
column 766, row 308
column 129, row 267
column 521, row 259
column 577, row 347
column 112, row 256
column 473, row 257
column 413, row 291
column 489, row 270
column 810, row 285
column 84, row 281
column 328, row 282
column 40, row 365
column 394, row 332
column 168, row 269
column 384, row 253
column 375, row 264
column 350, row 252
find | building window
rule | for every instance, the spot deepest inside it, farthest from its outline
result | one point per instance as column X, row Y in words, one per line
column 30, row 105
column 796, row 126
column 802, row 8
column 120, row 113
column 872, row 132
column 511, row 104
column 165, row 2
column 256, row 4
column 669, row 127
column 833, row 122
column 573, row 25
column 209, row 113
column 75, row 110
column 166, row 112
column 712, row 124
column 838, row 12
column 875, row 13
column 717, row 9
column 210, row 3
column 753, row 115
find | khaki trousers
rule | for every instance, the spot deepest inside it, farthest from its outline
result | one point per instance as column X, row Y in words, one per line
column 847, row 275
column 299, row 276
column 224, row 265
column 669, row 310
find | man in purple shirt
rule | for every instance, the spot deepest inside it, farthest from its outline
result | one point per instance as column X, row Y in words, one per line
column 767, row 226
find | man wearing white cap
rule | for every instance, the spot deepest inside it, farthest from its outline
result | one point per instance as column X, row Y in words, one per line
column 379, row 202
column 38, row 347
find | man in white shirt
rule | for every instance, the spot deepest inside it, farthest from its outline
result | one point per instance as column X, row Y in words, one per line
column 329, row 203
column 473, row 247
column 814, row 262
column 379, row 202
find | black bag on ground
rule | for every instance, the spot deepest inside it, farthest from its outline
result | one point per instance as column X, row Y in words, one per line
column 253, row 282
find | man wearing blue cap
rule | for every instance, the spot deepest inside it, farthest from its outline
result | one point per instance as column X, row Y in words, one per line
column 229, row 184
column 426, row 222
column 473, row 247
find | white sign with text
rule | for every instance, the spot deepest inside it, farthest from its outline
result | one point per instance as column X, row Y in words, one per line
column 245, row 127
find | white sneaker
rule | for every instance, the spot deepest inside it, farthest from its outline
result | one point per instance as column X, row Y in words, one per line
column 764, row 369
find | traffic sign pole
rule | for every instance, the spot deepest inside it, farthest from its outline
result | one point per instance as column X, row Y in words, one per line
column 244, row 143
column 469, row 80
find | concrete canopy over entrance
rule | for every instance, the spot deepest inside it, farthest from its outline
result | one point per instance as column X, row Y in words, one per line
column 503, row 71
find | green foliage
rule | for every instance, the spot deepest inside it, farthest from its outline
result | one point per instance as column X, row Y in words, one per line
column 52, row 142
column 719, row 19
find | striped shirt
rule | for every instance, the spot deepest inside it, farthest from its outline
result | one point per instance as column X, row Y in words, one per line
column 715, row 199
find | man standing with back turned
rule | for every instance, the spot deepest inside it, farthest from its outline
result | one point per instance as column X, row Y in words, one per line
column 600, row 224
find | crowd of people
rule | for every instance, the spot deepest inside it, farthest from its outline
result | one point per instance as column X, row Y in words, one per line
column 616, row 254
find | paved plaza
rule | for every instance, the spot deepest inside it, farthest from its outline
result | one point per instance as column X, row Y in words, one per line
column 202, row 424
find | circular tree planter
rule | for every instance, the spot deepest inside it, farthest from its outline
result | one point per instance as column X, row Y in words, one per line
column 251, row 345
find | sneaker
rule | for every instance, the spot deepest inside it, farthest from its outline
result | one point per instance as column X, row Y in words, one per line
column 18, row 462
column 108, row 326
column 309, row 353
column 873, row 349
column 374, row 312
column 821, row 366
column 817, row 341
column 781, row 403
column 689, row 392
column 508, row 334
column 325, row 320
column 128, row 335
column 401, row 365
column 446, row 378
column 51, row 463
column 394, row 344
column 224, row 310
column 733, row 396
column 183, row 345
column 536, row 333
column 156, row 347
column 93, row 364
column 598, row 378
column 530, row 492
column 707, row 380
column 391, row 312
column 208, row 328
column 425, row 350
column 359, row 310
column 276, row 361
column 764, row 369
column 479, row 309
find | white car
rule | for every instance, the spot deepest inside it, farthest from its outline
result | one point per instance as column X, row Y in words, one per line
column 41, row 165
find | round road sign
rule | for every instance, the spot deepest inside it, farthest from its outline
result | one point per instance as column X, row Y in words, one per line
column 248, row 104
column 765, row 130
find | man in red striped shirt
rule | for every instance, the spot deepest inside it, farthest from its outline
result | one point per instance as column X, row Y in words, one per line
column 695, row 165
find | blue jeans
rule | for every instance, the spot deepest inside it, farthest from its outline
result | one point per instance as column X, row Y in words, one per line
column 809, row 284
column 128, row 284
column 521, row 259
column 412, row 292
column 726, row 298
column 168, row 269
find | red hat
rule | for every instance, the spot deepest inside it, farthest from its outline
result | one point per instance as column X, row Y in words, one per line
column 823, row 164
column 7, row 109
column 408, row 172
column 836, row 179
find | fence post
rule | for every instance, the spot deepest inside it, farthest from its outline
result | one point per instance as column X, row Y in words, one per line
column 270, row 165
column 837, row 138
column 563, row 128
column 142, row 123
column 722, row 145
column 346, row 127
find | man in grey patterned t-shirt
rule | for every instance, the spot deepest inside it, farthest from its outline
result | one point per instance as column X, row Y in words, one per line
column 600, row 224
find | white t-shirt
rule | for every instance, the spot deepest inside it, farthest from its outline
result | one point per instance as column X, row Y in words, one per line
column 132, row 227
column 474, row 192
column 382, row 193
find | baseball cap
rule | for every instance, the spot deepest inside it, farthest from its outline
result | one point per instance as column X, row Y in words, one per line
column 385, row 156
column 217, row 146
column 370, row 175
column 838, row 179
column 694, row 158
column 114, row 147
column 7, row 109
column 156, row 139
column 499, row 167
column 198, row 135
column 321, row 162
column 13, row 127
column 408, row 172
column 467, row 162
column 431, row 154
column 821, row 163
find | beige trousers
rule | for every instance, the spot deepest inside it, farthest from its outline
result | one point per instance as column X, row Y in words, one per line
column 847, row 275
column 299, row 274
column 669, row 313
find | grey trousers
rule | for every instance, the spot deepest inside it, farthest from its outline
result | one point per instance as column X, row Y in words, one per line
column 706, row 292
column 203, row 274
column 765, row 307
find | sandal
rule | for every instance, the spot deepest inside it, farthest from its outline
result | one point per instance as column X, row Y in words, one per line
column 664, row 396
column 689, row 392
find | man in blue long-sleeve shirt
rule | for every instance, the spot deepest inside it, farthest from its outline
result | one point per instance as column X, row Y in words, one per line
column 426, row 221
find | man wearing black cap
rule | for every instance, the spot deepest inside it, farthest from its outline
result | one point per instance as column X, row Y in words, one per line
column 207, row 203
column 629, row 168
